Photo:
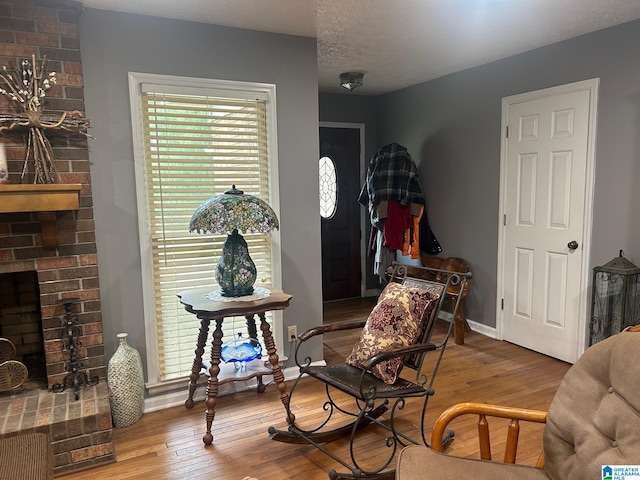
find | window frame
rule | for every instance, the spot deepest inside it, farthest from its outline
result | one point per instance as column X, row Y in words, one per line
column 196, row 86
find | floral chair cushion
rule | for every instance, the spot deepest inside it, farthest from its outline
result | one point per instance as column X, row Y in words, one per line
column 395, row 322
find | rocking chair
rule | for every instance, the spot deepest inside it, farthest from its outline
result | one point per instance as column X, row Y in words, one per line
column 397, row 334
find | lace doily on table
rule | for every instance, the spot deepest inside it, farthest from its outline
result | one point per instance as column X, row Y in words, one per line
column 258, row 294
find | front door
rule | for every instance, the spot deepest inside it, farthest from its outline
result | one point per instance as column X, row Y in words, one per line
column 340, row 152
column 547, row 167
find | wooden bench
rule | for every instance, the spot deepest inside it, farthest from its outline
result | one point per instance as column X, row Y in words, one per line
column 453, row 264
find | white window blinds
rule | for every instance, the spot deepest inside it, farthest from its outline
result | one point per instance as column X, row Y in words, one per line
column 197, row 146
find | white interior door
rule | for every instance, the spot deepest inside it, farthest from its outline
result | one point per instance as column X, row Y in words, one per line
column 547, row 183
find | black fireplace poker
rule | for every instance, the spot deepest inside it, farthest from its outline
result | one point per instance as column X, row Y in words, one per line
column 70, row 339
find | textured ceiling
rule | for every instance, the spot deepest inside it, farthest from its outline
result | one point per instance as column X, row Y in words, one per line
column 399, row 43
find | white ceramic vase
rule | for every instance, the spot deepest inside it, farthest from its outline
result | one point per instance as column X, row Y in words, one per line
column 126, row 384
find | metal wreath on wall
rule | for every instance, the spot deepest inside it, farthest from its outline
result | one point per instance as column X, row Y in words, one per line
column 26, row 86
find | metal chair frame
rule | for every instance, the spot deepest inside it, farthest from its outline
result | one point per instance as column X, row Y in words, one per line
column 371, row 396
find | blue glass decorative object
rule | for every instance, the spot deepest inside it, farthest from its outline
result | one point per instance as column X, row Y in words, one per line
column 240, row 351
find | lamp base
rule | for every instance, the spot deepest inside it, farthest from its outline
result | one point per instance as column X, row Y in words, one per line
column 236, row 293
column 236, row 272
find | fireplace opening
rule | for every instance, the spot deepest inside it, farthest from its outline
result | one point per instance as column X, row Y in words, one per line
column 21, row 324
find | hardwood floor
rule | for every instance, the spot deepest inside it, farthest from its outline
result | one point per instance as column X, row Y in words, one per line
column 168, row 444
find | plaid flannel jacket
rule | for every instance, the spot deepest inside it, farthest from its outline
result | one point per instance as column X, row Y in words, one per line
column 391, row 175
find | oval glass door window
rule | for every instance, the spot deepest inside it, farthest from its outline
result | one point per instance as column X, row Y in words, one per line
column 328, row 187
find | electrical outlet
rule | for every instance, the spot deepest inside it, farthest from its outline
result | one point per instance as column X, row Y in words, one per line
column 292, row 333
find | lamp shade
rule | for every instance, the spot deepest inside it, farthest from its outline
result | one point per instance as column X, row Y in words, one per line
column 229, row 213
column 234, row 210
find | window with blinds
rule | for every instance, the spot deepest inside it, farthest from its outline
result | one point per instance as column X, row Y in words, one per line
column 197, row 143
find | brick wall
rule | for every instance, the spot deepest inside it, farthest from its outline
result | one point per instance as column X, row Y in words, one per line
column 50, row 28
column 80, row 429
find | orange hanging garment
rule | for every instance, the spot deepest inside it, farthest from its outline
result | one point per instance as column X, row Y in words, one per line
column 412, row 237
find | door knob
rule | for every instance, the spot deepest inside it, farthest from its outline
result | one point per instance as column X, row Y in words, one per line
column 572, row 245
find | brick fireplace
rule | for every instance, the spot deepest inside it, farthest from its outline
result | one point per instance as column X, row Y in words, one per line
column 54, row 252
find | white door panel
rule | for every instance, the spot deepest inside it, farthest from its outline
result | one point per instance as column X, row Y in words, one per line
column 544, row 202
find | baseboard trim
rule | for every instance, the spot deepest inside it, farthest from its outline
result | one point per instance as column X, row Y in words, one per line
column 475, row 326
column 485, row 330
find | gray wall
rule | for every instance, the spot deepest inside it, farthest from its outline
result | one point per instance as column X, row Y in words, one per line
column 451, row 127
column 114, row 44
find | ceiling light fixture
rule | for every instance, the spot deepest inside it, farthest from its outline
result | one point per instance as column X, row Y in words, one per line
column 351, row 80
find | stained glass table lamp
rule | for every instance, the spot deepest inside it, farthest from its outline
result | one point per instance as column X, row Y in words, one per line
column 231, row 213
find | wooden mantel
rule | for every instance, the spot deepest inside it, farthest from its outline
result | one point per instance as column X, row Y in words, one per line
column 40, row 197
column 45, row 199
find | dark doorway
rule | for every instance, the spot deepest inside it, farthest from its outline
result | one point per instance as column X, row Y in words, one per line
column 340, row 147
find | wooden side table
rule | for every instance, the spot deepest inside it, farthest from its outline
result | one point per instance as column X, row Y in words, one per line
column 196, row 302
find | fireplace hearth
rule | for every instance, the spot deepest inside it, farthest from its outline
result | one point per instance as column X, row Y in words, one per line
column 55, row 251
column 78, row 421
